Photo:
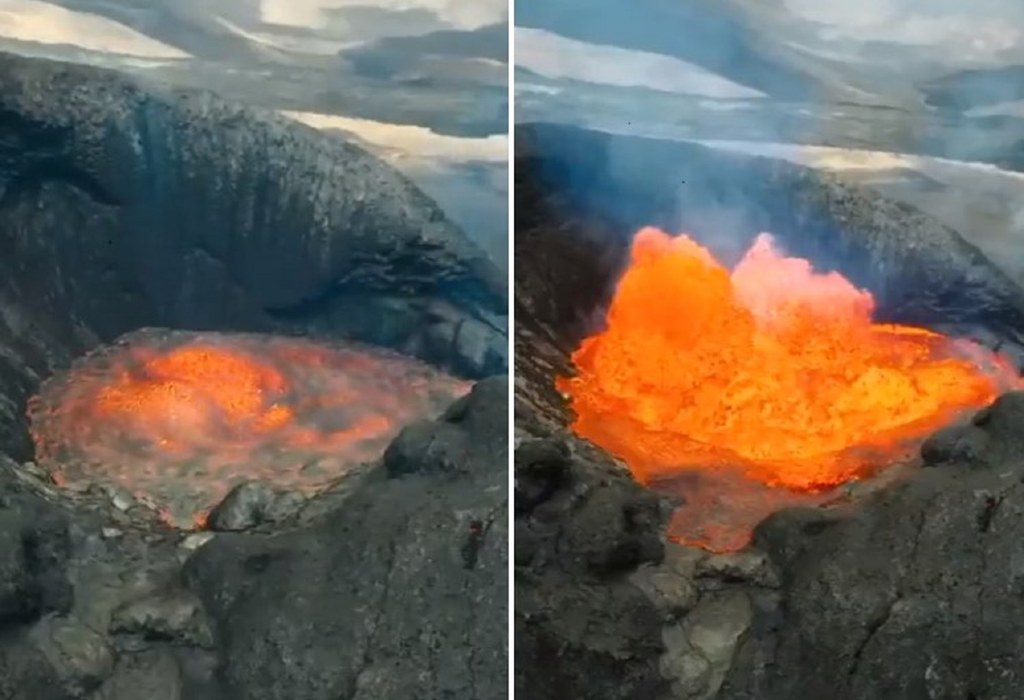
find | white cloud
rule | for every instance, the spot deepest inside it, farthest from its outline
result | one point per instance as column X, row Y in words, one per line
column 977, row 27
column 466, row 14
column 32, row 20
column 402, row 142
column 554, row 56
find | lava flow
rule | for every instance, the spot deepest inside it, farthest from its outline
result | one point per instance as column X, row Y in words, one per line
column 178, row 418
column 763, row 387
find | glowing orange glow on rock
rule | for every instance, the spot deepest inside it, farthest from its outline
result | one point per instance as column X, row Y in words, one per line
column 179, row 418
column 771, row 372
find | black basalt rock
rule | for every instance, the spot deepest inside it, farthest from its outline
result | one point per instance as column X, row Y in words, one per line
column 34, row 552
column 993, row 437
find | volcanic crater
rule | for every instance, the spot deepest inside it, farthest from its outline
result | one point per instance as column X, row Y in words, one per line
column 731, row 372
column 232, row 352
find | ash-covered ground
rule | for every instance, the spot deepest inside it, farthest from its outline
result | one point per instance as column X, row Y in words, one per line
column 126, row 206
column 906, row 588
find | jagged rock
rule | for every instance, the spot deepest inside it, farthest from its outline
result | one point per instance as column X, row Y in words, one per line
column 668, row 585
column 580, row 617
column 149, row 676
column 196, row 540
column 459, row 439
column 80, row 656
column 956, row 443
column 688, row 670
column 400, row 592
column 911, row 594
column 542, row 468
column 251, row 504
column 171, row 616
column 34, row 549
column 749, row 566
column 25, row 674
column 713, row 630
column 991, row 438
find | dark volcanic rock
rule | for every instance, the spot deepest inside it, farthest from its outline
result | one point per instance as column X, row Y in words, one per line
column 34, row 549
column 399, row 592
column 251, row 504
column 915, row 594
column 582, row 628
column 124, row 205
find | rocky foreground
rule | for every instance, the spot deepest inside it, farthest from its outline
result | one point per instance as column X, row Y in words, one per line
column 912, row 592
column 393, row 584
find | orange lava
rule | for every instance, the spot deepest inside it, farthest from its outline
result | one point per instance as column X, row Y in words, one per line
column 179, row 418
column 771, row 372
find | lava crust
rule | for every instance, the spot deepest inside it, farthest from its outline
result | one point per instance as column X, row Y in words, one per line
column 178, row 419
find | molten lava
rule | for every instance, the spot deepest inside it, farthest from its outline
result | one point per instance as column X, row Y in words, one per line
column 179, row 418
column 771, row 375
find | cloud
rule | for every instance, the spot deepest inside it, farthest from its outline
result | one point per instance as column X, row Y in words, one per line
column 553, row 56
column 401, row 142
column 976, row 27
column 41, row 22
column 464, row 14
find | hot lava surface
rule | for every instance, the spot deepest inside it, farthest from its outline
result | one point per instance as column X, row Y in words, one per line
column 766, row 386
column 179, row 418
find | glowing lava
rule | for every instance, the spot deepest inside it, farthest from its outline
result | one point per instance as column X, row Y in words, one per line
column 772, row 376
column 179, row 418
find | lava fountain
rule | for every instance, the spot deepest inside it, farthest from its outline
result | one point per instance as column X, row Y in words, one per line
column 179, row 418
column 767, row 386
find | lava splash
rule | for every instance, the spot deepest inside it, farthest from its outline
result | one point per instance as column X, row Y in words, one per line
column 760, row 387
column 179, row 418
